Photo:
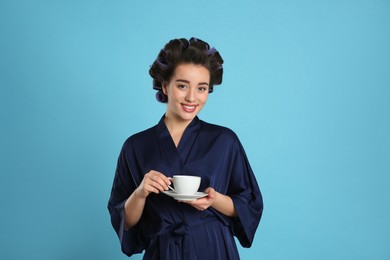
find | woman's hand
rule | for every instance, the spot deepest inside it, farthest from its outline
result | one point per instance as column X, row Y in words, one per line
column 205, row 202
column 222, row 203
column 153, row 181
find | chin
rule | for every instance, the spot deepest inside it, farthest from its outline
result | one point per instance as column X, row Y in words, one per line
column 188, row 117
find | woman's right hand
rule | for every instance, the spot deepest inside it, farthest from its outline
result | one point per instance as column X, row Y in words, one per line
column 153, row 181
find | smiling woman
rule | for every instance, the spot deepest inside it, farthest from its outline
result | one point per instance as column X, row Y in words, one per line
column 144, row 217
column 187, row 93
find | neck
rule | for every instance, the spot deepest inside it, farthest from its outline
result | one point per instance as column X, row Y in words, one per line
column 175, row 127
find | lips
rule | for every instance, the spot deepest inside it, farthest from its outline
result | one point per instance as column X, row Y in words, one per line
column 189, row 108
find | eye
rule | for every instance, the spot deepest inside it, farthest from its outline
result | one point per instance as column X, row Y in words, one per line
column 181, row 86
column 202, row 89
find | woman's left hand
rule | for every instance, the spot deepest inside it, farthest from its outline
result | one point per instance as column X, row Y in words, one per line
column 205, row 202
column 220, row 202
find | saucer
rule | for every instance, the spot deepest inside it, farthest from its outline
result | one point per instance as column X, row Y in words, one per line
column 186, row 197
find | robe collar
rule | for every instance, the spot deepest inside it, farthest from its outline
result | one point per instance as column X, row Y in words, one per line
column 176, row 157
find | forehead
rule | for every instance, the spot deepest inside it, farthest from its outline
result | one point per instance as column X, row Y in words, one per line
column 191, row 72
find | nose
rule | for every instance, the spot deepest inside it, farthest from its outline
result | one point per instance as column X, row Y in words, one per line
column 190, row 97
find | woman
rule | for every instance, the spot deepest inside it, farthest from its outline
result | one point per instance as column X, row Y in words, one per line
column 145, row 218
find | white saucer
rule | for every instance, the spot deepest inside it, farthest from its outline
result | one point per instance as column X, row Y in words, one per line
column 183, row 197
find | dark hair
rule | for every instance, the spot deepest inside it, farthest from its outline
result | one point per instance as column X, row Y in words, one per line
column 183, row 51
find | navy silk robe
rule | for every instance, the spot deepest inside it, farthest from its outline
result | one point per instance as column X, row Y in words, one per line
column 169, row 229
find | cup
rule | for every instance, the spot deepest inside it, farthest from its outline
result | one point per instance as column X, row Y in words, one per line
column 185, row 184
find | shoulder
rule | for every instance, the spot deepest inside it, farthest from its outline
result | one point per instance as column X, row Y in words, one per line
column 141, row 138
column 218, row 131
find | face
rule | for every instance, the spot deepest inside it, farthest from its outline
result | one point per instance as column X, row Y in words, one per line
column 187, row 92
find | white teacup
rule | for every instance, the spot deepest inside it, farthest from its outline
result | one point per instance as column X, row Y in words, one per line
column 184, row 184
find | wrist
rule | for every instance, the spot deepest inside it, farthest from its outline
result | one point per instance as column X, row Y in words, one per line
column 216, row 198
column 139, row 194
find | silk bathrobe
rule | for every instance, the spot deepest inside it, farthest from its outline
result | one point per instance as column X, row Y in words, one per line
column 172, row 230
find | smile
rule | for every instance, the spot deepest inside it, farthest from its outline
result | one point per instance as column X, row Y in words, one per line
column 188, row 108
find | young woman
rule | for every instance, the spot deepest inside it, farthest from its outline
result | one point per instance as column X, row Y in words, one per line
column 145, row 218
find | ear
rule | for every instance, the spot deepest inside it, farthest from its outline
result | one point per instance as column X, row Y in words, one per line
column 164, row 88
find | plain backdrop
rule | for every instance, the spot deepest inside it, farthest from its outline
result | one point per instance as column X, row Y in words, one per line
column 306, row 88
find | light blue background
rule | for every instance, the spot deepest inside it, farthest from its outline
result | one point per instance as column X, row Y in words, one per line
column 306, row 88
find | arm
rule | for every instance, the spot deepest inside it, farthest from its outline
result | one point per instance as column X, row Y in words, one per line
column 134, row 207
column 153, row 181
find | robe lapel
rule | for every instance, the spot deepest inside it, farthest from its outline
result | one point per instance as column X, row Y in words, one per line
column 188, row 140
column 176, row 158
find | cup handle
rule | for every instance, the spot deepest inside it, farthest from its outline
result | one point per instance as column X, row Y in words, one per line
column 169, row 186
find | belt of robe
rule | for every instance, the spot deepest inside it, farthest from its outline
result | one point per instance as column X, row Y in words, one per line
column 180, row 233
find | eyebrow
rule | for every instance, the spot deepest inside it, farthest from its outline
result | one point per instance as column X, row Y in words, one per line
column 186, row 81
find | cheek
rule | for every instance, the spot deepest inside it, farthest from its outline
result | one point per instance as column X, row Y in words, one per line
column 204, row 98
column 178, row 95
column 173, row 97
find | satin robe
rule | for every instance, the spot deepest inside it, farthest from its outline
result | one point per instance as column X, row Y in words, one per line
column 169, row 229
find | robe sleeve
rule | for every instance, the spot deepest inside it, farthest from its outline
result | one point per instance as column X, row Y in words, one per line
column 246, row 196
column 122, row 188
